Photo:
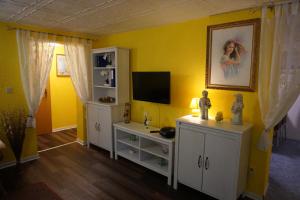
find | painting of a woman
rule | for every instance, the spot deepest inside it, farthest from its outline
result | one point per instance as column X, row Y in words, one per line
column 231, row 55
column 231, row 59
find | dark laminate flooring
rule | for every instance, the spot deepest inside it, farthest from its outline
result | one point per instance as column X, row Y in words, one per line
column 77, row 173
column 284, row 181
column 54, row 139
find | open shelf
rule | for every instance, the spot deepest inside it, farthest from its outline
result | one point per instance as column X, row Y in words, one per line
column 155, row 150
column 103, row 86
column 151, row 150
column 129, row 142
column 155, row 165
column 102, row 68
column 128, row 155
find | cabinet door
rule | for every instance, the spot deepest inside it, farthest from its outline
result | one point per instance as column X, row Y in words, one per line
column 220, row 166
column 190, row 158
column 105, row 127
column 93, row 132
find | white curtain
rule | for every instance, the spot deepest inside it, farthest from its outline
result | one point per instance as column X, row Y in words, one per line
column 35, row 58
column 279, row 66
column 78, row 56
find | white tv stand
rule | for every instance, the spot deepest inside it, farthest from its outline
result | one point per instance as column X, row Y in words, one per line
column 134, row 142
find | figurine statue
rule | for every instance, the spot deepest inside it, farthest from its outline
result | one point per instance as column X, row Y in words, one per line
column 237, row 110
column 219, row 117
column 204, row 104
column 147, row 120
column 127, row 113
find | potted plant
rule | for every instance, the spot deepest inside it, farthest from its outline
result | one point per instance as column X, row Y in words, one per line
column 13, row 125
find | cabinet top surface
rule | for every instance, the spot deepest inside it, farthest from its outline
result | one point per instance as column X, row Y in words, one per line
column 100, row 50
column 224, row 125
column 141, row 130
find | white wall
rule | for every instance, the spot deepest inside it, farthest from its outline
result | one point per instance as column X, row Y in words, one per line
column 293, row 121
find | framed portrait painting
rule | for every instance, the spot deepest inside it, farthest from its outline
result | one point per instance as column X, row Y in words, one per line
column 232, row 55
column 62, row 68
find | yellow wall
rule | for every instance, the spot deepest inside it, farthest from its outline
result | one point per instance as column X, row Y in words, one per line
column 181, row 49
column 63, row 97
column 10, row 77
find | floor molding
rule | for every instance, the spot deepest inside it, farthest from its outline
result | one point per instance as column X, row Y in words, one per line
column 81, row 142
column 64, row 128
column 56, row 146
column 253, row 196
column 23, row 160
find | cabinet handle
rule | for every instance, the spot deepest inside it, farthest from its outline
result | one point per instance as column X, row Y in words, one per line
column 96, row 126
column 206, row 163
column 199, row 161
column 99, row 127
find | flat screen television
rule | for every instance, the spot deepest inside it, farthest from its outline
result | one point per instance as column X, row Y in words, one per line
column 151, row 86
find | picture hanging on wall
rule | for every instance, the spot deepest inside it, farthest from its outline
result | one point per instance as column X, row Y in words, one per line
column 232, row 55
column 62, row 68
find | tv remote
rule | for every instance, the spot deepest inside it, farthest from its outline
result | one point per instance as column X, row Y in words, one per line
column 155, row 131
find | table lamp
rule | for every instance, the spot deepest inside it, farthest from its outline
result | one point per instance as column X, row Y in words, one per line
column 194, row 105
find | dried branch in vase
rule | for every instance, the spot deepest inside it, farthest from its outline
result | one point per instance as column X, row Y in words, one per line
column 13, row 125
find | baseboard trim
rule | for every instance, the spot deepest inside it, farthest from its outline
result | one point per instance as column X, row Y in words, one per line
column 266, row 189
column 23, row 160
column 81, row 142
column 64, row 128
column 253, row 196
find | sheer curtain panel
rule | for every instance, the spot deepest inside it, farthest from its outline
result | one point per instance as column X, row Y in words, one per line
column 78, row 56
column 35, row 59
column 279, row 66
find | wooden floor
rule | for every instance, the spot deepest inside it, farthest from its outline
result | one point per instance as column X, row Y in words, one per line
column 77, row 173
column 54, row 139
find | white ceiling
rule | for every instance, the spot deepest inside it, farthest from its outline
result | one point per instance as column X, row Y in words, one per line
column 98, row 17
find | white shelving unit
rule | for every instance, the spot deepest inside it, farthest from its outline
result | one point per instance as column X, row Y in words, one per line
column 134, row 142
column 110, row 78
column 114, row 62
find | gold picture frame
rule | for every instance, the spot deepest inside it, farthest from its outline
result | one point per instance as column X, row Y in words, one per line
column 62, row 69
column 232, row 55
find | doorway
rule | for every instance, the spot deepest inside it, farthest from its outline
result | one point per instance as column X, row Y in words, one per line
column 284, row 178
column 56, row 119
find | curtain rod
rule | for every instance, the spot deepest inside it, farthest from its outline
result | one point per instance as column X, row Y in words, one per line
column 14, row 28
column 272, row 3
column 255, row 8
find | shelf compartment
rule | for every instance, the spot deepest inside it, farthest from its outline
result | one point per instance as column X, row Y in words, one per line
column 129, row 142
column 129, row 152
column 105, row 59
column 128, row 139
column 160, row 165
column 155, row 148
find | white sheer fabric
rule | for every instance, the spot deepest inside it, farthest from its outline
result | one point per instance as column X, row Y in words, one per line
column 78, row 55
column 279, row 66
column 35, row 58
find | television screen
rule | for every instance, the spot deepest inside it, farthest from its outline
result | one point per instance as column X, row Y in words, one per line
column 151, row 86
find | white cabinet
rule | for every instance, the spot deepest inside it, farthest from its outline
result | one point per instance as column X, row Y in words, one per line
column 134, row 142
column 191, row 158
column 212, row 157
column 110, row 82
column 99, row 124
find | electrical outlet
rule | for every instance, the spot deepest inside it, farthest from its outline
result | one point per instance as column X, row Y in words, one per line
column 9, row 90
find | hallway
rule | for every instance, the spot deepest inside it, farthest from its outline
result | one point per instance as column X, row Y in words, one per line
column 284, row 182
column 55, row 139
